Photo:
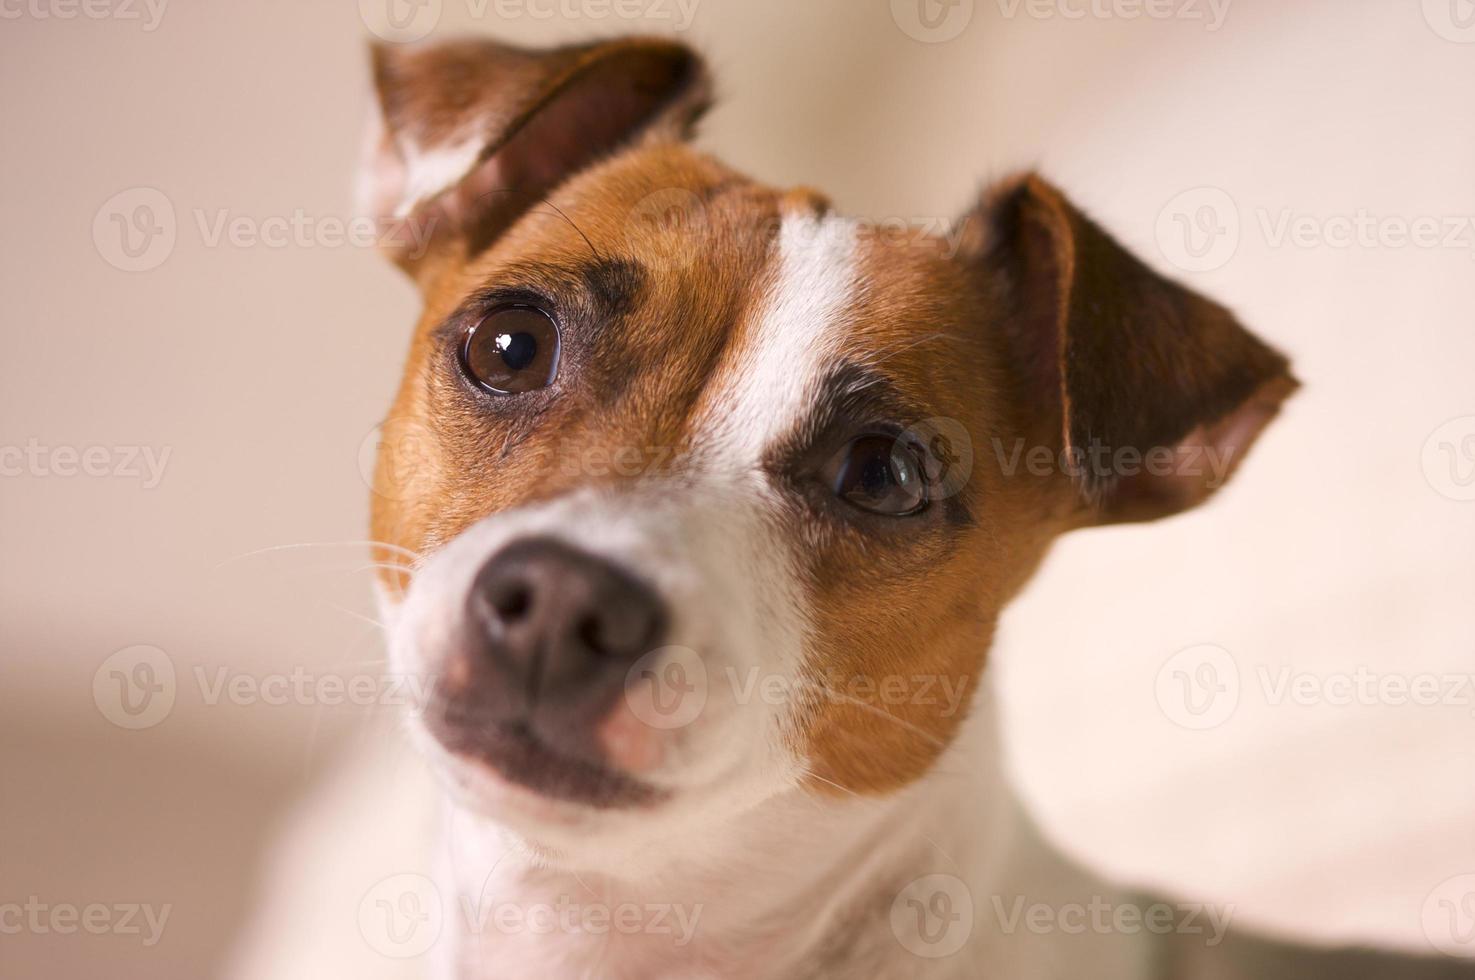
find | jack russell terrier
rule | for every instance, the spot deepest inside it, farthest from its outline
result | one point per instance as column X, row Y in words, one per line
column 695, row 556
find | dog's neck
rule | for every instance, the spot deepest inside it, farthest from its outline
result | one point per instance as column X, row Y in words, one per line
column 798, row 886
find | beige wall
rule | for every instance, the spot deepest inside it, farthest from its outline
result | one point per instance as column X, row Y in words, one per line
column 261, row 371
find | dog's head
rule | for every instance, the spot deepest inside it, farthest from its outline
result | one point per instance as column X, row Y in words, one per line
column 694, row 492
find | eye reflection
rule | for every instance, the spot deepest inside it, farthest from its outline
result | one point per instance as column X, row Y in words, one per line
column 880, row 474
column 512, row 350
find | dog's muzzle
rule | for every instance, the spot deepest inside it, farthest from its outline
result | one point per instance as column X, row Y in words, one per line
column 547, row 638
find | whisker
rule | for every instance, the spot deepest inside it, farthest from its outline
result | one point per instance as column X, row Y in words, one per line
column 407, row 552
column 810, row 773
column 387, row 566
column 938, row 847
column 829, row 782
column 886, row 355
column 583, row 882
column 357, row 615
column 379, row 661
column 536, row 199
column 933, row 772
column 873, row 709
column 310, row 744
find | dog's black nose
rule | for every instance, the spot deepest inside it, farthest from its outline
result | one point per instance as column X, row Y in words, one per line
column 557, row 629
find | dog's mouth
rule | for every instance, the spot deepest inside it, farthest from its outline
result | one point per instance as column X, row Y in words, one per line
column 520, row 755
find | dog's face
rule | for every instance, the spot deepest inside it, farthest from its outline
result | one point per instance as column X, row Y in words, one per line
column 717, row 495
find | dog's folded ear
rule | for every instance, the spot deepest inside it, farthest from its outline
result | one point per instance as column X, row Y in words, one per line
column 469, row 134
column 1151, row 393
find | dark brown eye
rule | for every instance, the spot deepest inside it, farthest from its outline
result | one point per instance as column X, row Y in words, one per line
column 513, row 349
column 880, row 474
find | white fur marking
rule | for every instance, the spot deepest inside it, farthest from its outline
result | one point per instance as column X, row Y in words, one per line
column 433, row 171
column 794, row 337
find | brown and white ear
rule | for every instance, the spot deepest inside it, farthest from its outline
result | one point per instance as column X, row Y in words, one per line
column 469, row 134
column 1154, row 393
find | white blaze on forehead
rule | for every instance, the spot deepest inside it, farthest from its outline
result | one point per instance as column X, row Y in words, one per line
column 794, row 337
column 784, row 354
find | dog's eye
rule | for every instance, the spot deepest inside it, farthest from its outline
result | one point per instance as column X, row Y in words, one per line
column 513, row 349
column 880, row 474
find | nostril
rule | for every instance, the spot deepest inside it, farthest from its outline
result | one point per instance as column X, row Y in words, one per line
column 552, row 618
column 513, row 604
column 590, row 631
column 614, row 632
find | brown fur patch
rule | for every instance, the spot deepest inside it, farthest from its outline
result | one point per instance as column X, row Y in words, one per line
column 478, row 454
column 532, row 118
column 903, row 618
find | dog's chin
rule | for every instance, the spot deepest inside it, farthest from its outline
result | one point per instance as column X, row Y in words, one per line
column 509, row 775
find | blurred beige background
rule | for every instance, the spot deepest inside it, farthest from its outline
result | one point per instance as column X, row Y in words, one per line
column 1274, row 154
